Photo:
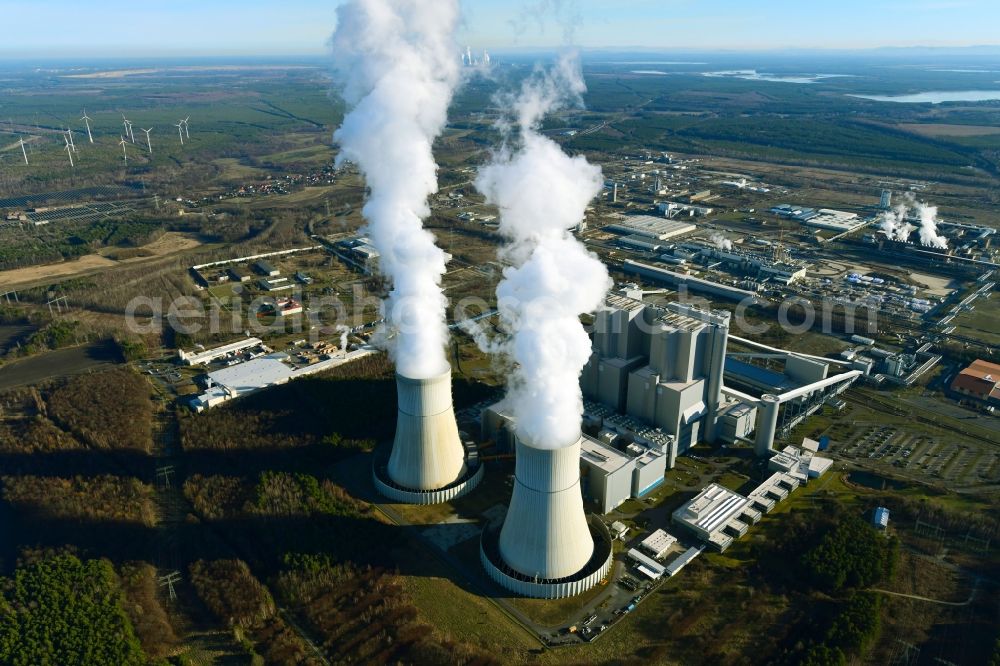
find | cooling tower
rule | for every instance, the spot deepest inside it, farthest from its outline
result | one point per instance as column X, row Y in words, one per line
column 427, row 464
column 547, row 548
column 427, row 453
column 545, row 534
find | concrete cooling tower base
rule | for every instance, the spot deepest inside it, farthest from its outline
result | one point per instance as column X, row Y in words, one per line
column 592, row 573
column 472, row 475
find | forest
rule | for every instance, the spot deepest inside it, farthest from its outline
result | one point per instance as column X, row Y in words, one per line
column 61, row 610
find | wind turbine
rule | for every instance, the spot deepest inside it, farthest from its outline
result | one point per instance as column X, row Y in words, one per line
column 69, row 152
column 69, row 133
column 124, row 143
column 185, row 121
column 128, row 128
column 86, row 120
column 23, row 151
column 180, row 131
column 149, row 144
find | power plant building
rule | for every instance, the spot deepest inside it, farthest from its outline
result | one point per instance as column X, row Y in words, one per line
column 662, row 366
column 716, row 515
column 609, row 475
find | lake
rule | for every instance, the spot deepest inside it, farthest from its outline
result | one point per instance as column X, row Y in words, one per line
column 936, row 97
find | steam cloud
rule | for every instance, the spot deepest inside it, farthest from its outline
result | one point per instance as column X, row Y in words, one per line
column 399, row 68
column 895, row 226
column 542, row 193
column 721, row 242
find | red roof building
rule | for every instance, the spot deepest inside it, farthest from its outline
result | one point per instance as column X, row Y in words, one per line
column 981, row 381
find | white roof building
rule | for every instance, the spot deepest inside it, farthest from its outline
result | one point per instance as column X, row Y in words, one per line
column 646, row 565
column 647, row 226
column 658, row 543
column 209, row 355
column 711, row 511
column 834, row 220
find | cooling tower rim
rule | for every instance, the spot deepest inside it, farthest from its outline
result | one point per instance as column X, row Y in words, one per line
column 417, row 381
column 596, row 569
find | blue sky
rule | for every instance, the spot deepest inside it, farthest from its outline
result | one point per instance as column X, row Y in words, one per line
column 250, row 27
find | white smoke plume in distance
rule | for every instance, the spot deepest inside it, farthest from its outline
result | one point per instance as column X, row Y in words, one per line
column 895, row 226
column 721, row 242
column 399, row 67
column 542, row 193
column 928, row 227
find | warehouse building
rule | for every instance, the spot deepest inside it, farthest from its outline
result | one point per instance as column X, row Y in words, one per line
column 649, row 227
column 661, row 275
column 980, row 381
column 265, row 268
column 206, row 356
column 658, row 544
column 683, row 560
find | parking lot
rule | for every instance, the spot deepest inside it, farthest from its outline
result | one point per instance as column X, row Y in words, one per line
column 935, row 457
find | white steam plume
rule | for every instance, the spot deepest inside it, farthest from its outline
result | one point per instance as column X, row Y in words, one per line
column 895, row 226
column 894, row 223
column 721, row 242
column 399, row 67
column 928, row 227
column 542, row 193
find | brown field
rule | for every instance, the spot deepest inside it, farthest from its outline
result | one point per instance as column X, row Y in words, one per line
column 939, row 129
column 233, row 170
column 169, row 243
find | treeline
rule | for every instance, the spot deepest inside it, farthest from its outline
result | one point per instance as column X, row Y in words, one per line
column 838, row 555
column 849, row 554
column 364, row 615
column 67, row 241
column 35, row 435
column 106, row 410
column 853, row 629
column 239, row 601
column 104, row 498
column 61, row 610
column 273, row 494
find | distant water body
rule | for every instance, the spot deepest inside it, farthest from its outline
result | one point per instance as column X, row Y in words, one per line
column 936, row 97
column 754, row 75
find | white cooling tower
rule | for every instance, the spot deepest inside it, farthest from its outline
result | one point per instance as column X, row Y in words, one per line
column 427, row 452
column 545, row 534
